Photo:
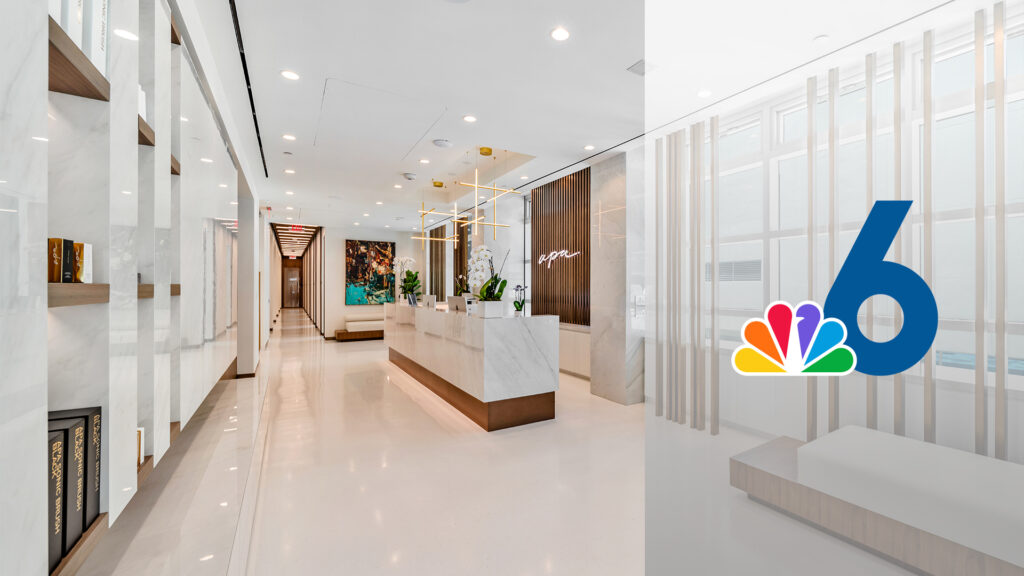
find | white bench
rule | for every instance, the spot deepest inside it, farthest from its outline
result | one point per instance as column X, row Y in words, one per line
column 365, row 321
column 975, row 501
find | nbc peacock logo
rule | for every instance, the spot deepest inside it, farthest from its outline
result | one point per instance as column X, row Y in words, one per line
column 794, row 341
column 815, row 341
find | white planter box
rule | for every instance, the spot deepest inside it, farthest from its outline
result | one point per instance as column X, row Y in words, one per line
column 491, row 309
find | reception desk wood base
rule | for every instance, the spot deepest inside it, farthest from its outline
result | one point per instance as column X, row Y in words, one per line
column 490, row 416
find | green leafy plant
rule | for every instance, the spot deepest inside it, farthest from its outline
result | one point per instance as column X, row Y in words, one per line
column 411, row 283
column 460, row 285
column 492, row 289
column 520, row 298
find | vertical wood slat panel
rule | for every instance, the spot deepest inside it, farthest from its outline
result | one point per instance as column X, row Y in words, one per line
column 437, row 250
column 898, row 392
column 812, row 382
column 999, row 65
column 560, row 213
column 980, row 356
column 869, row 148
column 926, row 206
column 833, row 103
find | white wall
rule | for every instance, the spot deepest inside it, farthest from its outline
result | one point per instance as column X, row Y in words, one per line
column 334, row 270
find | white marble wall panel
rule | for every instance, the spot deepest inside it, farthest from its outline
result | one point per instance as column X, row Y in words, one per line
column 23, row 233
column 490, row 359
column 121, row 417
column 616, row 358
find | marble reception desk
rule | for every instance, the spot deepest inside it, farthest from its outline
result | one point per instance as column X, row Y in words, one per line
column 500, row 372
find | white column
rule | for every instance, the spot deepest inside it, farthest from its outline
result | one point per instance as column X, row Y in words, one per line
column 248, row 278
column 23, row 228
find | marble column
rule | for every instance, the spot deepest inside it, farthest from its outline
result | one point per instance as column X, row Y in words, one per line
column 23, row 233
column 248, row 281
column 616, row 343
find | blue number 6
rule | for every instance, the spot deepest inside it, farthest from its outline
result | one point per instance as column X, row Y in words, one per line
column 865, row 274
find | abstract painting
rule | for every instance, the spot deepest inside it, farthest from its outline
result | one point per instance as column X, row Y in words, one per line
column 369, row 272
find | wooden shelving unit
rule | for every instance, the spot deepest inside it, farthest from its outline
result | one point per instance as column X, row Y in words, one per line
column 175, row 289
column 175, row 35
column 71, row 71
column 146, row 291
column 175, row 166
column 80, row 551
column 61, row 295
column 146, row 135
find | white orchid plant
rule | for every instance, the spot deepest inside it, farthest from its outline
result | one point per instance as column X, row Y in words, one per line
column 481, row 267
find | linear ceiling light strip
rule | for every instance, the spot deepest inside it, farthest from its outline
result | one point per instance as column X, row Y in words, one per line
column 248, row 85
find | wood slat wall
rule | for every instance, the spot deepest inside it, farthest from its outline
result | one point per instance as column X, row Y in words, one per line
column 561, row 221
column 461, row 256
column 437, row 262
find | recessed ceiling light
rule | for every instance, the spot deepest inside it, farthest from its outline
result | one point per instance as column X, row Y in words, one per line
column 126, row 192
column 206, row 160
column 524, row 177
column 233, row 203
column 588, row 147
column 289, row 208
column 289, row 137
column 704, row 93
column 288, row 218
column 469, row 118
column 289, row 171
column 184, row 119
column 355, row 223
column 223, row 504
column 289, row 192
column 398, row 186
column 223, row 185
column 560, row 34
column 379, row 203
column 207, row 557
column 126, row 35
column 288, row 74
column 424, row 161
column 40, row 139
column 387, row 225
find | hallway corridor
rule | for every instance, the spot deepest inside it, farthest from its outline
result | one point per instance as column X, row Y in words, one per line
column 360, row 470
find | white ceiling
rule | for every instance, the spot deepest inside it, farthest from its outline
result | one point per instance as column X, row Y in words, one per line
column 381, row 79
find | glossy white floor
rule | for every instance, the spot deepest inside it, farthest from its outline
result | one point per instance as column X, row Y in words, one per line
column 359, row 470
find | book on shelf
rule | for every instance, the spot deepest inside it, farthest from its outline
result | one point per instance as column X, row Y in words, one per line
column 72, row 19
column 96, row 33
column 55, row 498
column 93, row 442
column 73, row 430
column 83, row 263
column 53, row 259
column 67, row 262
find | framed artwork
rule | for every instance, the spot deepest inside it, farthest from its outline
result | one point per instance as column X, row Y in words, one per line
column 369, row 272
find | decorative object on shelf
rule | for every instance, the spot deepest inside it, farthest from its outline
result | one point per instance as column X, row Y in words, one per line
column 93, row 456
column 73, row 431
column 411, row 286
column 96, row 33
column 520, row 299
column 369, row 272
column 83, row 263
column 61, row 261
column 72, row 15
column 460, row 285
column 55, row 498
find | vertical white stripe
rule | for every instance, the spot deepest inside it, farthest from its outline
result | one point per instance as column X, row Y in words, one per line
column 713, row 198
column 980, row 358
column 898, row 392
column 869, row 165
column 926, row 204
column 999, row 66
column 833, row 102
column 812, row 382
column 659, row 293
column 697, row 169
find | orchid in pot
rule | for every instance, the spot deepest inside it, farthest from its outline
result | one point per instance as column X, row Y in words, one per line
column 489, row 284
column 519, row 303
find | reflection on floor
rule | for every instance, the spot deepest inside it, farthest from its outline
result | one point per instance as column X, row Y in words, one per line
column 359, row 470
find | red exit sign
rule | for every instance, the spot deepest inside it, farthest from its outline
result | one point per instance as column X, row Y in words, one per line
column 296, row 228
